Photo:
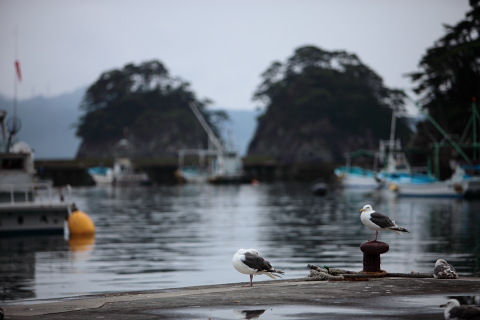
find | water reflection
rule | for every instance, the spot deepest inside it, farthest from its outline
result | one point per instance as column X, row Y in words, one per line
column 173, row 236
column 18, row 261
column 248, row 314
column 268, row 313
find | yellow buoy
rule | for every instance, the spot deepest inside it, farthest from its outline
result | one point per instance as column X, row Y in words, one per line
column 393, row 187
column 79, row 223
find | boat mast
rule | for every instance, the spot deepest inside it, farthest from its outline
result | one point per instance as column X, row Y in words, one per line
column 391, row 159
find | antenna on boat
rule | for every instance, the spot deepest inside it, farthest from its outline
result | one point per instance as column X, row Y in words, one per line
column 17, row 75
column 14, row 124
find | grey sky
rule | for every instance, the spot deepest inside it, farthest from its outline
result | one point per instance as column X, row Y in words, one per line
column 220, row 46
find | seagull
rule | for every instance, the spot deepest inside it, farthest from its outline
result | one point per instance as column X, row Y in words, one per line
column 455, row 311
column 378, row 222
column 444, row 270
column 249, row 261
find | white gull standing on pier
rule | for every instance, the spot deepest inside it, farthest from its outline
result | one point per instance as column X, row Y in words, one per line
column 378, row 222
column 249, row 261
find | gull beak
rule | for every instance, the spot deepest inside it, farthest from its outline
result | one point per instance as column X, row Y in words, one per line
column 442, row 305
column 361, row 210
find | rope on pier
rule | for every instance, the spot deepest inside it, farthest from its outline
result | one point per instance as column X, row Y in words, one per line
column 322, row 274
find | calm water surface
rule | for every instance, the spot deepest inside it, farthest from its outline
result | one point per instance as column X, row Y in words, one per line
column 176, row 236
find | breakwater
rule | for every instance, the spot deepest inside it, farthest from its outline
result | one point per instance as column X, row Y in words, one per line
column 162, row 170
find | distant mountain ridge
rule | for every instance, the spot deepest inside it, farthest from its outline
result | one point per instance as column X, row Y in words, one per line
column 48, row 124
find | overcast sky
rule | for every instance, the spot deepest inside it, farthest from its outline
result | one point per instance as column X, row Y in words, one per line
column 220, row 46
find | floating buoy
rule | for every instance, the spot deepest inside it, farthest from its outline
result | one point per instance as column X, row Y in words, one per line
column 79, row 223
column 393, row 187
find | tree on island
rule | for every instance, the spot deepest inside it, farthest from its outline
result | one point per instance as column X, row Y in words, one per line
column 321, row 104
column 149, row 104
column 448, row 79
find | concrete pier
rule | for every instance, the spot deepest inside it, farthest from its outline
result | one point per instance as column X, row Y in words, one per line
column 380, row 298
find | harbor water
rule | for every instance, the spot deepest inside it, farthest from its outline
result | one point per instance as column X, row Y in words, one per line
column 176, row 236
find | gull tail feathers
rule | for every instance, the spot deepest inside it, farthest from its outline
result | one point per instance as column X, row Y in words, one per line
column 399, row 229
column 277, row 273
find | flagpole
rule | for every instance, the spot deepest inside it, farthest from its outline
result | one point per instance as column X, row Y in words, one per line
column 15, row 80
column 15, row 85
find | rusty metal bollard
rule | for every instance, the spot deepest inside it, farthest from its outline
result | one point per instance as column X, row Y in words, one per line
column 371, row 255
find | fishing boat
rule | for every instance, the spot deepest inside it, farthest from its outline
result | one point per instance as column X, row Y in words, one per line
column 215, row 165
column 357, row 177
column 471, row 176
column 26, row 204
column 121, row 174
column 443, row 189
column 461, row 183
column 397, row 169
column 210, row 166
column 228, row 168
column 455, row 187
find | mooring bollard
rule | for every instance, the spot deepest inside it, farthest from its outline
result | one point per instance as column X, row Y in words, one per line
column 371, row 255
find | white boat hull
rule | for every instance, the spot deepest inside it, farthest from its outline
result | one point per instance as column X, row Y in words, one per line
column 122, row 174
column 25, row 218
column 433, row 189
column 33, row 208
column 351, row 181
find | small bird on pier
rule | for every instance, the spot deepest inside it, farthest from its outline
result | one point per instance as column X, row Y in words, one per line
column 378, row 222
column 455, row 311
column 444, row 270
column 249, row 261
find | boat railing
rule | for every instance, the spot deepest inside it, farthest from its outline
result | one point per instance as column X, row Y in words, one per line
column 34, row 192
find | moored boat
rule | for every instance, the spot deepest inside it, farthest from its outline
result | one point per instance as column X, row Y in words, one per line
column 357, row 177
column 40, row 211
column 122, row 173
column 26, row 205
column 455, row 187
column 215, row 165
column 429, row 189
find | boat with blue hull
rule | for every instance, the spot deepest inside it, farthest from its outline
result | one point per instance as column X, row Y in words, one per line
column 358, row 178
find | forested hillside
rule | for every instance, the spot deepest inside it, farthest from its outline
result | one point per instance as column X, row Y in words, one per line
column 146, row 105
column 320, row 105
column 447, row 81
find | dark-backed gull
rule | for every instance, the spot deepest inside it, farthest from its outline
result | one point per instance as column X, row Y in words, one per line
column 444, row 270
column 249, row 261
column 378, row 222
column 455, row 311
